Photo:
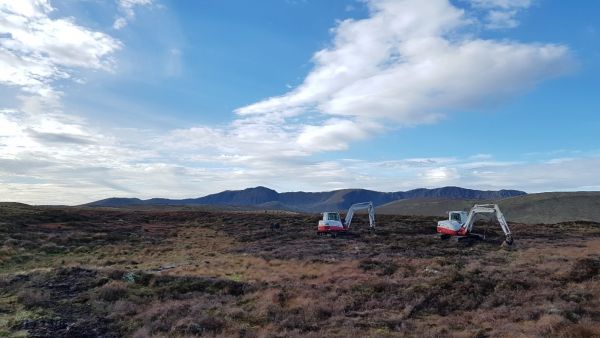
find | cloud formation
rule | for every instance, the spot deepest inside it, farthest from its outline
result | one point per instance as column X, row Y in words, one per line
column 409, row 62
column 36, row 50
column 501, row 14
column 127, row 11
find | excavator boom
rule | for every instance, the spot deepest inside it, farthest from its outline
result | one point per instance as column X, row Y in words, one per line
column 359, row 206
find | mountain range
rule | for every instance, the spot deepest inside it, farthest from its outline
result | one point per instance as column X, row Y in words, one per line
column 265, row 198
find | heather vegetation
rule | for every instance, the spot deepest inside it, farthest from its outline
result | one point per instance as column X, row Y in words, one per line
column 77, row 272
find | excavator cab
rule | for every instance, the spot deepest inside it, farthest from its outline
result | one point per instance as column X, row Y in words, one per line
column 331, row 222
column 458, row 216
column 331, row 216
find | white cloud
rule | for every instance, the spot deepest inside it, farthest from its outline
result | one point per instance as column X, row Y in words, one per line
column 550, row 175
column 410, row 63
column 333, row 134
column 502, row 19
column 120, row 23
column 441, row 175
column 505, row 4
column 501, row 14
column 546, row 174
column 110, row 169
column 127, row 10
column 36, row 50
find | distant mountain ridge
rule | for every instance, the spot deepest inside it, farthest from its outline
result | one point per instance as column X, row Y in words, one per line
column 262, row 197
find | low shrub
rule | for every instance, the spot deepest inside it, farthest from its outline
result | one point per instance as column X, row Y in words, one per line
column 112, row 291
column 7, row 251
column 139, row 277
column 12, row 242
column 31, row 298
column 171, row 285
column 203, row 325
column 281, row 297
column 298, row 319
column 116, row 274
column 385, row 268
column 164, row 316
column 81, row 249
column 124, row 308
column 321, row 313
column 51, row 248
column 584, row 269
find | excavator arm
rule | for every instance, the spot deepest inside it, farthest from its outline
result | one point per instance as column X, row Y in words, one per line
column 360, row 206
column 488, row 209
column 504, row 225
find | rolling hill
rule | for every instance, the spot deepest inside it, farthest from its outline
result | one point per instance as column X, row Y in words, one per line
column 553, row 207
column 550, row 207
column 426, row 206
column 261, row 197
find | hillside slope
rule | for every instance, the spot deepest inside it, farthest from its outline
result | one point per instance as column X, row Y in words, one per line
column 552, row 207
column 426, row 206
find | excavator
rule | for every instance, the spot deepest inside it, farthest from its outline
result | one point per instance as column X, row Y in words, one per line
column 331, row 223
column 460, row 223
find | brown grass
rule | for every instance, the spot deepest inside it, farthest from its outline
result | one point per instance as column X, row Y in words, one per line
column 112, row 291
column 188, row 273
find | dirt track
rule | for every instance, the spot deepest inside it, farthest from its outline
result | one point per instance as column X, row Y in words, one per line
column 116, row 273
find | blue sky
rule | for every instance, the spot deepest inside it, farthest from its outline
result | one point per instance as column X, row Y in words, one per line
column 158, row 98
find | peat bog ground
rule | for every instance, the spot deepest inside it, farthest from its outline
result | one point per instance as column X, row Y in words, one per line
column 83, row 272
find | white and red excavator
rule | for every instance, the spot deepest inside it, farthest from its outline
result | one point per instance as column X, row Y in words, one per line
column 460, row 223
column 331, row 223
